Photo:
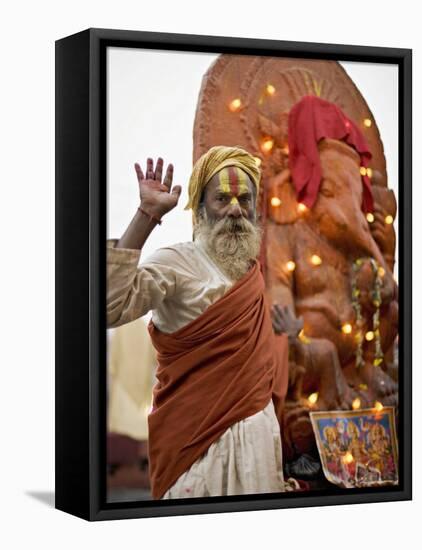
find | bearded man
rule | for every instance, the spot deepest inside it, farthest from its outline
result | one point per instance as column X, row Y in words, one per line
column 214, row 428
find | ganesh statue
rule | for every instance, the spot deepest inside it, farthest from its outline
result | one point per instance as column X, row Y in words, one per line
column 329, row 242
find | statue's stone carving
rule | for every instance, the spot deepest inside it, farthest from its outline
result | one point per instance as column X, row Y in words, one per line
column 331, row 263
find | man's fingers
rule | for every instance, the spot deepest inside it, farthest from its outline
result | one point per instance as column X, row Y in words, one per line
column 150, row 169
column 281, row 311
column 139, row 172
column 168, row 179
column 278, row 317
column 176, row 190
column 159, row 169
column 276, row 311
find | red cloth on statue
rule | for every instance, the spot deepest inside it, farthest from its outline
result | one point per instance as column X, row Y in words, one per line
column 311, row 120
column 219, row 369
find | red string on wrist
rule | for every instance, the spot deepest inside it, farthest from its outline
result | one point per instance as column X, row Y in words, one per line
column 151, row 216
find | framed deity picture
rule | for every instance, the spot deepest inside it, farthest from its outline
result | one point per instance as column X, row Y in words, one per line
column 233, row 274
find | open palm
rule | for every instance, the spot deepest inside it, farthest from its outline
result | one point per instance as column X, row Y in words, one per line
column 157, row 196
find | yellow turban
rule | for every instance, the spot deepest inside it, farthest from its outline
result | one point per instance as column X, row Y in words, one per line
column 214, row 160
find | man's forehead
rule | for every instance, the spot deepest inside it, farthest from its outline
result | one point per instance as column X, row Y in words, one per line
column 231, row 179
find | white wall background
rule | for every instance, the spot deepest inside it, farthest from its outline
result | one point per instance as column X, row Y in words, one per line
column 27, row 276
column 152, row 98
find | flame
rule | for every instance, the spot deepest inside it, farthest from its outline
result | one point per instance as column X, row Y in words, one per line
column 316, row 260
column 267, row 144
column 346, row 328
column 275, row 201
column 370, row 217
column 302, row 207
column 290, row 265
column 270, row 89
column 313, row 398
column 258, row 161
column 303, row 338
column 235, row 105
column 362, row 171
column 348, row 458
column 356, row 403
column 369, row 335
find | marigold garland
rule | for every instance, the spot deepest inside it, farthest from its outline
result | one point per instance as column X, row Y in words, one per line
column 376, row 300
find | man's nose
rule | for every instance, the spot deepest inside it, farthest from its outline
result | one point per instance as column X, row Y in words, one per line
column 234, row 209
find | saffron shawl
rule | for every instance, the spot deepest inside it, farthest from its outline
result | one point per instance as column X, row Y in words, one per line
column 219, row 369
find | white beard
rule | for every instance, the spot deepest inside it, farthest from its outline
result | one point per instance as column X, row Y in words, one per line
column 233, row 243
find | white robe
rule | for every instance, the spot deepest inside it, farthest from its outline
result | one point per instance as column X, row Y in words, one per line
column 178, row 283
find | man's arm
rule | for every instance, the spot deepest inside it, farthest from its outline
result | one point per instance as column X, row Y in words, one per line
column 157, row 198
column 133, row 291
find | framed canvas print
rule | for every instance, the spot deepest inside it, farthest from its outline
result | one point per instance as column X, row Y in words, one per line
column 233, row 274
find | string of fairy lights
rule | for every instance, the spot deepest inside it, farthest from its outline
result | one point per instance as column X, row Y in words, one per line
column 266, row 146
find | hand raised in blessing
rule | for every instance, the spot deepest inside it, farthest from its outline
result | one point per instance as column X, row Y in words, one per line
column 157, row 196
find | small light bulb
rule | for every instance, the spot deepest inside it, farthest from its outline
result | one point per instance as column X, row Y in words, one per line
column 370, row 217
column 389, row 219
column 378, row 406
column 346, row 328
column 235, row 105
column 369, row 335
column 316, row 260
column 270, row 89
column 258, row 161
column 381, row 271
column 356, row 404
column 267, row 145
column 369, row 172
column 302, row 207
column 313, row 398
column 362, row 171
column 367, row 122
column 290, row 265
column 275, row 201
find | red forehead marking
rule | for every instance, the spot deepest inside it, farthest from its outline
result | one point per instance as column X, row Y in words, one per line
column 233, row 180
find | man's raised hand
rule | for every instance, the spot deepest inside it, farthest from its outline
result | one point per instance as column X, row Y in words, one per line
column 157, row 196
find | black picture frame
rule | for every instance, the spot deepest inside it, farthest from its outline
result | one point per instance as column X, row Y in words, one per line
column 80, row 272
